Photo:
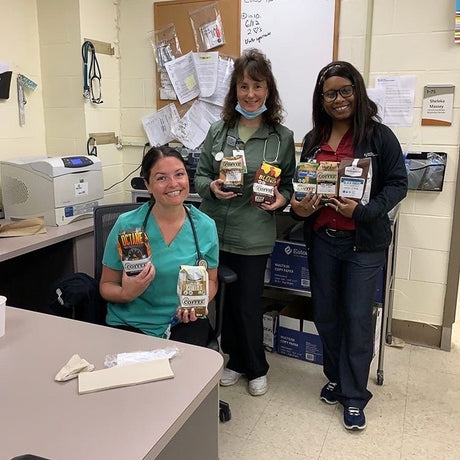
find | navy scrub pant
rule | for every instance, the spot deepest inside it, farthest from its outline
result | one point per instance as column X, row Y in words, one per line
column 242, row 328
column 343, row 284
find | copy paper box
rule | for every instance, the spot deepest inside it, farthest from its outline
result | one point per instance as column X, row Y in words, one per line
column 289, row 266
column 297, row 335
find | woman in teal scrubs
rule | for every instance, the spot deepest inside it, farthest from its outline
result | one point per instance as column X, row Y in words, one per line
column 148, row 302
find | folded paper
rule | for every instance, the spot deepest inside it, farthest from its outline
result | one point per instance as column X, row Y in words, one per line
column 74, row 366
column 121, row 376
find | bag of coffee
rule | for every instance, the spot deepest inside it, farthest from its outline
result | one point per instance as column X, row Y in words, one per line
column 354, row 178
column 134, row 250
column 265, row 180
column 326, row 180
column 304, row 181
column 193, row 288
column 231, row 172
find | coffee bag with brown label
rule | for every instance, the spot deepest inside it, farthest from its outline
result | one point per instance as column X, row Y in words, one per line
column 193, row 288
column 134, row 250
column 232, row 172
column 326, row 180
column 265, row 181
column 354, row 178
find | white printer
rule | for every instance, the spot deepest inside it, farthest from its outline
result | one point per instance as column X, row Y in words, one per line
column 62, row 189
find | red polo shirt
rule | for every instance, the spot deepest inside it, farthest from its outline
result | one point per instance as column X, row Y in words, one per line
column 328, row 217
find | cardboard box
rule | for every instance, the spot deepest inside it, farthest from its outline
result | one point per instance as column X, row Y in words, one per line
column 297, row 334
column 289, row 266
column 298, row 337
column 270, row 321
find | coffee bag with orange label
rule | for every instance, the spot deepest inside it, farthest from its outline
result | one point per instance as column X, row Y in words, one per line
column 265, row 181
column 134, row 250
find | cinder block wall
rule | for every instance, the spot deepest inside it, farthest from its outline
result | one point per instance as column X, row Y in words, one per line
column 410, row 37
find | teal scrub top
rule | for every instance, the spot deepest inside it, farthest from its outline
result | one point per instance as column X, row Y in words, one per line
column 155, row 308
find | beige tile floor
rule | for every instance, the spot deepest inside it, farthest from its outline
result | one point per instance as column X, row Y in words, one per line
column 414, row 415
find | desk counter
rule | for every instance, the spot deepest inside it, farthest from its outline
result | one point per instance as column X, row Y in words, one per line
column 169, row 419
column 11, row 247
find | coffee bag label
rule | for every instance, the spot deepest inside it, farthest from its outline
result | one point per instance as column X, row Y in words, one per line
column 134, row 249
column 193, row 288
column 231, row 171
column 304, row 181
column 265, row 181
column 326, row 178
column 354, row 178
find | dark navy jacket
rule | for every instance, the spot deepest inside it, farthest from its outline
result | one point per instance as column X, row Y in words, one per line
column 389, row 187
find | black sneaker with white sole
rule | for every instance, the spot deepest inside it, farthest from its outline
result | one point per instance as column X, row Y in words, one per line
column 354, row 418
column 328, row 393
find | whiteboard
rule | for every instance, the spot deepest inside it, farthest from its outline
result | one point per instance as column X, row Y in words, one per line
column 298, row 38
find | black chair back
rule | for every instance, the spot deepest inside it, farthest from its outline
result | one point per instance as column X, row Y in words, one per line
column 105, row 217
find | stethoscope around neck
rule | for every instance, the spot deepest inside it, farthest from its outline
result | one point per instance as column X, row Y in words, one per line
column 200, row 259
column 236, row 142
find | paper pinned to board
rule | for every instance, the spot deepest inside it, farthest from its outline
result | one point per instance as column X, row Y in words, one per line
column 122, row 376
column 23, row 227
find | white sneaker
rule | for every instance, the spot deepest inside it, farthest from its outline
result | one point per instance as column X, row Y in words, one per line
column 258, row 386
column 229, row 377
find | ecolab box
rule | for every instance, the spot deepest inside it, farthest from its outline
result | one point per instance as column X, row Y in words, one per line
column 289, row 266
column 297, row 335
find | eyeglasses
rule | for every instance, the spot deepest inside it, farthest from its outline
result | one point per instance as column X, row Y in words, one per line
column 345, row 91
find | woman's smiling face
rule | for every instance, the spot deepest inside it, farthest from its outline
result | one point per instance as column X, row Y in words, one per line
column 341, row 108
column 168, row 182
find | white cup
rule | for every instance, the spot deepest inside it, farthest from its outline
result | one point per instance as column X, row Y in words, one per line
column 2, row 315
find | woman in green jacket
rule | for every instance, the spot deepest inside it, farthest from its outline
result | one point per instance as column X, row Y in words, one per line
column 250, row 126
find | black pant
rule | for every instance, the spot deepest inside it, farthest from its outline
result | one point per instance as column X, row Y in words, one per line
column 343, row 285
column 242, row 328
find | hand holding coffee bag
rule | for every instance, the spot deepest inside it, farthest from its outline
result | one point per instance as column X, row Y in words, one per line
column 231, row 172
column 355, row 175
column 326, row 180
column 193, row 288
column 134, row 250
column 304, row 181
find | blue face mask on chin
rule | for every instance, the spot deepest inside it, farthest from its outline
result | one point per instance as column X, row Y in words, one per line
column 250, row 115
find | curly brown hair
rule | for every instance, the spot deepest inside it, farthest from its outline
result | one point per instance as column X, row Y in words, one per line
column 256, row 66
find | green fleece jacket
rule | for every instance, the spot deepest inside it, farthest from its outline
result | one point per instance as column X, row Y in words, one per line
column 242, row 228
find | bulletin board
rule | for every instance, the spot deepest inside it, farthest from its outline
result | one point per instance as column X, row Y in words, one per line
column 177, row 12
column 298, row 36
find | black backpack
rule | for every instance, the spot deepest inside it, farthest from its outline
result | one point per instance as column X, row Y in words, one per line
column 77, row 296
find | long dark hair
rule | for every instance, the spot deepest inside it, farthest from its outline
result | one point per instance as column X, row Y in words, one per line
column 257, row 67
column 365, row 113
column 155, row 154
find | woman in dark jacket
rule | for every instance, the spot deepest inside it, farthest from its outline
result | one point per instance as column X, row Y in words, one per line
column 346, row 238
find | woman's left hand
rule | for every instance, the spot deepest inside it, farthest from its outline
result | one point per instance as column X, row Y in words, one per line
column 185, row 315
column 279, row 202
column 344, row 206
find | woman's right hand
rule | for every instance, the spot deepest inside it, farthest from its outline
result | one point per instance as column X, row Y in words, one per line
column 307, row 206
column 133, row 286
column 216, row 188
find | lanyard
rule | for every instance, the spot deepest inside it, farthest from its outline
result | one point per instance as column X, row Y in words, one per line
column 200, row 259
